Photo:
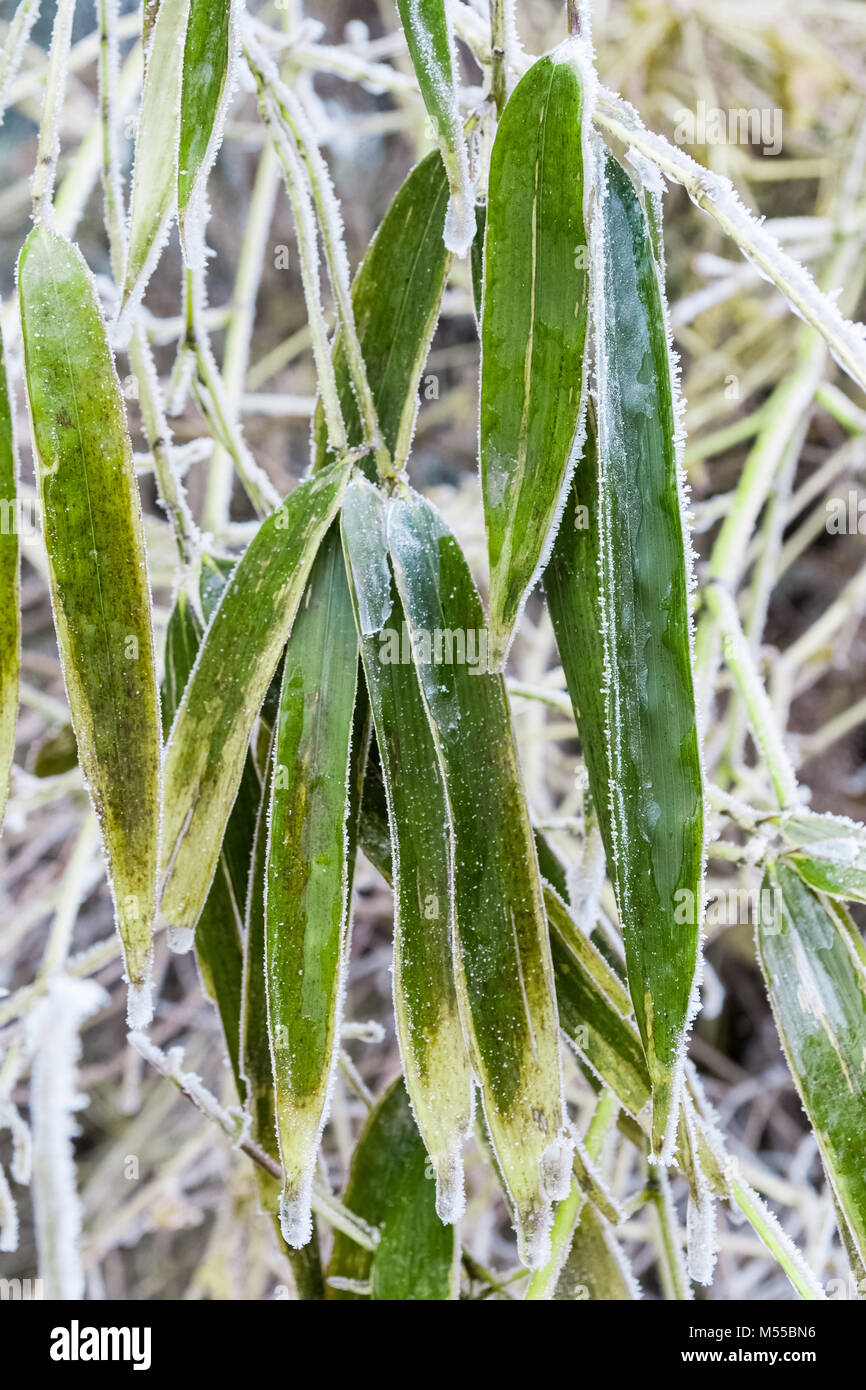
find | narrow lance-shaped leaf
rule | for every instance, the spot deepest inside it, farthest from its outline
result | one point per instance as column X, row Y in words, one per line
column 816, row 980
column 205, row 756
column 255, row 1062
column 431, row 47
column 829, row 852
column 155, row 171
column 94, row 538
column 308, row 881
column 595, row 1267
column 640, row 742
column 396, row 295
column 533, row 327
column 605, row 1043
column 10, row 608
column 435, row 1062
column 205, row 91
column 504, row 972
column 218, row 937
column 389, row 1187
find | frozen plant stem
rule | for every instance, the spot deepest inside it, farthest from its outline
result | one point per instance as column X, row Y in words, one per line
column 49, row 131
column 292, row 135
column 191, row 1087
column 674, row 1278
column 499, row 53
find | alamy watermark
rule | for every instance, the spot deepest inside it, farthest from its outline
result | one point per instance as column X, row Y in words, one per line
column 710, row 125
column 467, row 647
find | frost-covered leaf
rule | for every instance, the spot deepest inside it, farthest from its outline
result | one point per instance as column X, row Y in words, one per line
column 395, row 298
column 533, row 327
column 390, row 1187
column 829, row 852
column 308, row 879
column 816, row 979
column 217, row 939
column 431, row 47
column 435, row 1063
column 210, row 36
column 595, row 1266
column 155, row 171
column 91, row 517
column 10, row 609
column 620, row 569
column 256, row 1064
column 504, row 972
column 205, row 755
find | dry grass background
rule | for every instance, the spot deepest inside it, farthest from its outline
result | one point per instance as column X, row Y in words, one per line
column 170, row 1209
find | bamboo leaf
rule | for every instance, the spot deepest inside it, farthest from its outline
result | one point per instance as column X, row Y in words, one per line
column 533, row 328
column 256, row 1064
column 395, row 297
column 640, row 741
column 504, row 972
column 308, row 882
column 389, row 1187
column 10, row 606
column 816, row 980
column 430, row 1034
column 595, row 1266
column 218, row 940
column 829, row 852
column 431, row 47
column 205, row 755
column 92, row 526
column 155, row 170
column 204, row 95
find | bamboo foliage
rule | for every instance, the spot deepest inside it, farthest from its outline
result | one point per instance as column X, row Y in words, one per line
column 334, row 668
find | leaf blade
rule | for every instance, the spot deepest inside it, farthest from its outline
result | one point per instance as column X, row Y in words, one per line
column 533, row 329
column 98, row 572
column 10, row 604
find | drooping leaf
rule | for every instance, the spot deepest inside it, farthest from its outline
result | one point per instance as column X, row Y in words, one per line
column 640, row 741
column 395, row 297
column 816, row 980
column 256, row 1064
column 91, row 518
column 218, row 937
column 533, row 329
column 390, row 1188
column 206, row 58
column 504, row 972
column 431, row 47
column 205, row 755
column 435, row 1063
column 308, row 881
column 10, row 607
column 155, row 171
column 595, row 1267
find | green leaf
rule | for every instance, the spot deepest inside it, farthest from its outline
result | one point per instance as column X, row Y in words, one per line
column 203, row 97
column 595, row 1267
column 504, row 972
column 429, row 1031
column 308, row 883
column 640, row 740
column 829, row 852
column 390, row 1188
column 242, row 645
column 10, row 606
column 218, row 935
column 533, row 328
column 395, row 297
column 154, row 175
column 256, row 1064
column 57, row 754
column 431, row 48
column 816, row 980
column 91, row 519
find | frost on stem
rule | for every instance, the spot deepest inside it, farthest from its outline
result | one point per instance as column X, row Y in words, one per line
column 53, row 1040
